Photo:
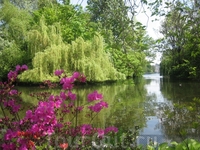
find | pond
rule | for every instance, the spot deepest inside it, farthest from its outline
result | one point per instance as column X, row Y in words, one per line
column 163, row 110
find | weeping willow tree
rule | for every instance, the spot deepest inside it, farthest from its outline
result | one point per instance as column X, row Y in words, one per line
column 42, row 36
column 87, row 57
column 90, row 58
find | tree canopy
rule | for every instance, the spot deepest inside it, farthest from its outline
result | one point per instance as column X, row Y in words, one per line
column 104, row 41
column 181, row 51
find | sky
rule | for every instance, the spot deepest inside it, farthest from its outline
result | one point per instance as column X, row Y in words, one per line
column 153, row 27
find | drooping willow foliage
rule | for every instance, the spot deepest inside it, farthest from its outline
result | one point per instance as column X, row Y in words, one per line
column 43, row 36
column 87, row 57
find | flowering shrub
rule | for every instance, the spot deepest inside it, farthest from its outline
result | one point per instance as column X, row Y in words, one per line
column 45, row 126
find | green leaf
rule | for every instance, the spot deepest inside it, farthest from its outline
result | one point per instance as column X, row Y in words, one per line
column 163, row 146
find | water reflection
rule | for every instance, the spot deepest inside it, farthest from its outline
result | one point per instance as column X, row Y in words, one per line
column 164, row 110
column 125, row 110
column 153, row 129
column 171, row 113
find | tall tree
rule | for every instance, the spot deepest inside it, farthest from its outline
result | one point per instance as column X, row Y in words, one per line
column 13, row 30
column 73, row 20
column 30, row 5
column 181, row 51
column 121, row 32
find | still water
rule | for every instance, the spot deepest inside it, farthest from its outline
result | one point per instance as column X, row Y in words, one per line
column 171, row 112
column 163, row 110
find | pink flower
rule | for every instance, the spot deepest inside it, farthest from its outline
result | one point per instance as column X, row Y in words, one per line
column 12, row 75
column 8, row 146
column 104, row 104
column 24, row 67
column 86, row 129
column 63, row 95
column 13, row 92
column 100, row 133
column 12, row 104
column 111, row 129
column 18, row 68
column 10, row 135
column 79, row 77
column 82, row 78
column 67, row 83
column 98, row 106
column 79, row 108
column 56, row 100
column 76, row 75
column 58, row 72
column 94, row 96
column 29, row 115
column 43, row 119
column 95, row 108
column 71, row 95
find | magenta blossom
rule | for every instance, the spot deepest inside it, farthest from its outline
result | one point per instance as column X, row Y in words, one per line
column 100, row 133
column 24, row 67
column 58, row 72
column 79, row 77
column 43, row 119
column 57, row 100
column 12, row 104
column 63, row 95
column 71, row 95
column 79, row 108
column 67, row 83
column 98, row 106
column 10, row 135
column 19, row 68
column 13, row 92
column 12, row 75
column 8, row 146
column 86, row 129
column 76, row 75
column 82, row 78
column 111, row 129
column 94, row 96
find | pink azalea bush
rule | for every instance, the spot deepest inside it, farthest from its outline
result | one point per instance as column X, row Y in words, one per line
column 44, row 124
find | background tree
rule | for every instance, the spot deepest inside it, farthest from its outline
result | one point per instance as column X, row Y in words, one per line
column 34, row 27
column 123, row 34
column 73, row 20
column 180, row 45
column 14, row 27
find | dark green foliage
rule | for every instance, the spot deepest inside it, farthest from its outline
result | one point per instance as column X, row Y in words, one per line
column 181, row 43
column 9, row 57
column 13, row 28
column 126, row 38
column 38, row 26
column 73, row 21
column 131, row 64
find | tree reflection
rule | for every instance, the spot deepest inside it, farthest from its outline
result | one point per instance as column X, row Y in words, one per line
column 127, row 109
column 181, row 117
column 124, row 99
